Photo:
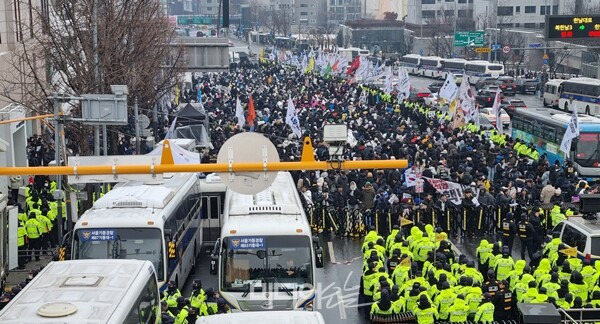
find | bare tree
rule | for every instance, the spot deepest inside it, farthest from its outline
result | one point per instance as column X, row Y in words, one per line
column 132, row 50
column 439, row 42
column 557, row 58
column 514, row 39
column 282, row 22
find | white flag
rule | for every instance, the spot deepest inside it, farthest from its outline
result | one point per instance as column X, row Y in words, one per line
column 171, row 132
column 571, row 132
column 403, row 84
column 239, row 113
column 291, row 118
column 498, row 112
column 449, row 90
column 387, row 87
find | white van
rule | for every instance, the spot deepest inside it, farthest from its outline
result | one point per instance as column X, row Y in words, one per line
column 582, row 234
column 551, row 93
column 88, row 291
column 267, row 317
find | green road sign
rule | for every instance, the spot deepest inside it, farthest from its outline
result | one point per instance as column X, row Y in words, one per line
column 469, row 38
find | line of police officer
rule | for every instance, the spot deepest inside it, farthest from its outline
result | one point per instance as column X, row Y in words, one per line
column 36, row 232
column 179, row 310
column 418, row 274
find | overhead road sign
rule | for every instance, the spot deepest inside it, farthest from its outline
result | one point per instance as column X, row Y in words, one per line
column 483, row 50
column 572, row 27
column 469, row 38
column 535, row 45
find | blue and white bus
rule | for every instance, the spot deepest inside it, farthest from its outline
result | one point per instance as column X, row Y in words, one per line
column 411, row 63
column 582, row 94
column 477, row 70
column 157, row 222
column 454, row 66
column 546, row 127
column 431, row 66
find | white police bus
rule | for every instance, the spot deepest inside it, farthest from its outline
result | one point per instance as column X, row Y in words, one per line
column 154, row 222
column 582, row 94
column 88, row 291
column 411, row 63
column 266, row 256
column 477, row 70
column 431, row 66
column 551, row 94
column 454, row 66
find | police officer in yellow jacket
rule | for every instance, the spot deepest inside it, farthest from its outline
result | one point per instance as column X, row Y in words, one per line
column 485, row 312
column 424, row 312
column 383, row 307
column 34, row 233
column 22, row 244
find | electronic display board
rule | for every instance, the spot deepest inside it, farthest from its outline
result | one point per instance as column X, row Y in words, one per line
column 572, row 27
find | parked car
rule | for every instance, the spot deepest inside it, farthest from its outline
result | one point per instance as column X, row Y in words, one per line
column 419, row 94
column 508, row 85
column 511, row 104
column 435, row 86
column 485, row 97
column 485, row 82
column 488, row 114
column 528, row 86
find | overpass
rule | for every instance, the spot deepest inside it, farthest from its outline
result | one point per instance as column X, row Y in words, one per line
column 203, row 54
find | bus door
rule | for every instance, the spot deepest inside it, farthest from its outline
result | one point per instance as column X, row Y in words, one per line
column 212, row 214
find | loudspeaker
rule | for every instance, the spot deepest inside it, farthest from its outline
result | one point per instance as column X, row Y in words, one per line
column 225, row 13
column 589, row 203
column 538, row 313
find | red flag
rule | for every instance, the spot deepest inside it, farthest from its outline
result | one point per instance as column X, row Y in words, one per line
column 354, row 66
column 251, row 112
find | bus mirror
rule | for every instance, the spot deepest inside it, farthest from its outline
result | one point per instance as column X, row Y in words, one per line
column 213, row 264
column 168, row 232
column 574, row 144
column 315, row 240
column 319, row 257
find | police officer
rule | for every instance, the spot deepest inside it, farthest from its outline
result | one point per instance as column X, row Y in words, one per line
column 222, row 306
column 211, row 303
column 504, row 265
column 509, row 230
column 182, row 311
column 197, row 296
column 485, row 311
column 459, row 312
column 393, row 261
column 22, row 244
column 503, row 302
column 526, row 234
column 170, row 296
column 424, row 312
column 491, row 285
column 382, row 307
column 34, row 233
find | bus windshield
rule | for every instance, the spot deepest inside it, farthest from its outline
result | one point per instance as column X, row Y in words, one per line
column 280, row 260
column 588, row 150
column 121, row 243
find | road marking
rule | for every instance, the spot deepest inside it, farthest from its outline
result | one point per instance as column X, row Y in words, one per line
column 341, row 304
column 331, row 253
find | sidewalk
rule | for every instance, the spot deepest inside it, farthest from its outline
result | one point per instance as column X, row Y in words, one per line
column 15, row 276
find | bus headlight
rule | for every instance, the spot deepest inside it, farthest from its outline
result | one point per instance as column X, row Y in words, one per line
column 309, row 306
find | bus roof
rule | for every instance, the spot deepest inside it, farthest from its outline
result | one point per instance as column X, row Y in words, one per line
column 587, row 123
column 277, row 199
column 136, row 205
column 93, row 290
column 555, row 81
column 265, row 317
column 583, row 80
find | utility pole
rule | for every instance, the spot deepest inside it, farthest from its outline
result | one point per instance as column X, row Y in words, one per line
column 96, row 69
column 57, row 158
column 137, row 127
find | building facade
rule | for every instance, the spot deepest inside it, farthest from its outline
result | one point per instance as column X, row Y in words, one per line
column 340, row 11
column 375, row 9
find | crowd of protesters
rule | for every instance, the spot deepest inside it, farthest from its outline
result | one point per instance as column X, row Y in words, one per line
column 508, row 190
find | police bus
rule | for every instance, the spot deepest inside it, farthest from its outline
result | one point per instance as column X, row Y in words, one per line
column 266, row 256
column 477, row 70
column 275, row 317
column 88, row 291
column 454, row 66
column 154, row 222
column 431, row 66
column 545, row 129
column 411, row 63
column 582, row 94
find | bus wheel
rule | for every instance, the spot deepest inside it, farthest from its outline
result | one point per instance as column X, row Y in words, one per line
column 566, row 107
column 587, row 110
column 544, row 102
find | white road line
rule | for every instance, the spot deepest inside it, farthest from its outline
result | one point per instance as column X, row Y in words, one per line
column 331, row 253
column 341, row 305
